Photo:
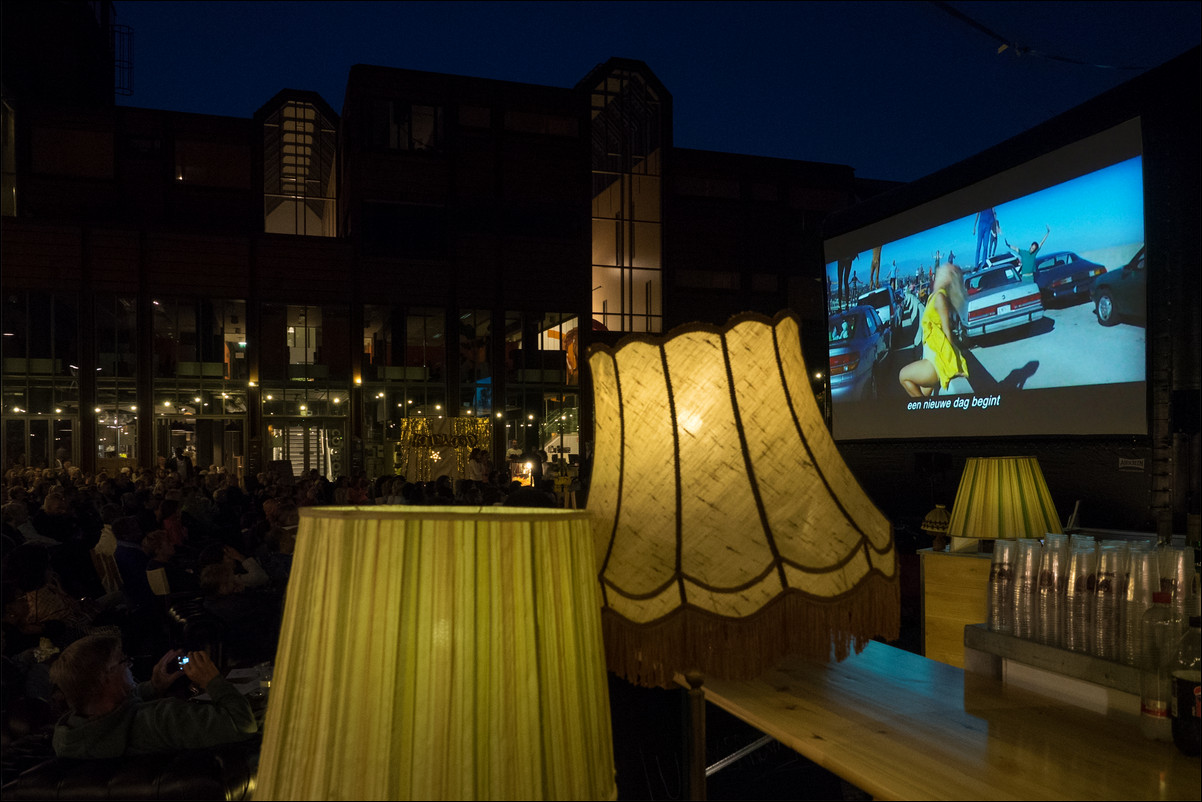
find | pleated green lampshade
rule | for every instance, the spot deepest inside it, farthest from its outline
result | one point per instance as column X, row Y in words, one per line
column 440, row 653
column 1003, row 498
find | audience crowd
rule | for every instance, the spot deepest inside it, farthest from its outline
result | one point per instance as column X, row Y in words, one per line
column 158, row 560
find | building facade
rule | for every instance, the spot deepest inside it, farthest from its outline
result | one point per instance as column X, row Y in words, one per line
column 371, row 290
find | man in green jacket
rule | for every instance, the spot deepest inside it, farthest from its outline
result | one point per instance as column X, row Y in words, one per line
column 112, row 715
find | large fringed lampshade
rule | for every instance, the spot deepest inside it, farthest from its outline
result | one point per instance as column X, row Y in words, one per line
column 1003, row 497
column 729, row 531
column 440, row 653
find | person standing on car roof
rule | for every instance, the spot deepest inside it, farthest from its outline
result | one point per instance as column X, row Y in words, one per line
column 1027, row 258
column 985, row 228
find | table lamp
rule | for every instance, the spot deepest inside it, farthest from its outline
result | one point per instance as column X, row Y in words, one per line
column 935, row 523
column 1001, row 498
column 440, row 653
column 729, row 531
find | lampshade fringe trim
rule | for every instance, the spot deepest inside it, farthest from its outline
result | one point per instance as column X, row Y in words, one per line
column 689, row 638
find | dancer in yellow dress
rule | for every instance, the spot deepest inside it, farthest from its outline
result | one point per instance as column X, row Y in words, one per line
column 941, row 359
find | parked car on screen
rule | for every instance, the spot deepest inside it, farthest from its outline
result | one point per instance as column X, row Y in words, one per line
column 887, row 309
column 857, row 344
column 1064, row 276
column 1122, row 294
column 999, row 299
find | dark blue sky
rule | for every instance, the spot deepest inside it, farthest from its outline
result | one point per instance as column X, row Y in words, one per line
column 895, row 89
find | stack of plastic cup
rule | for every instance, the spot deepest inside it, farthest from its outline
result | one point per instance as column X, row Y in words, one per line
column 1108, row 597
column 1143, row 581
column 1001, row 587
column 1053, row 575
column 1177, row 579
column 1079, row 592
column 1026, row 588
column 1142, row 543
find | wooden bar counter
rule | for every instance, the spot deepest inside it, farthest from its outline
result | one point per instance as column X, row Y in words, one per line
column 900, row 726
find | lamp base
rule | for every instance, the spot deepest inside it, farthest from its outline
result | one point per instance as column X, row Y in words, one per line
column 965, row 544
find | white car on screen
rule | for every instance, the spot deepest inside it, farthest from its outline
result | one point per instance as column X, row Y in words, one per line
column 999, row 298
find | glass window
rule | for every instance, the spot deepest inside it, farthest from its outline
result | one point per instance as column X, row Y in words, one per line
column 305, row 343
column 607, row 297
column 41, row 333
column 116, row 336
column 645, row 197
column 645, row 247
column 644, row 301
column 41, row 376
column 16, row 332
column 396, row 338
column 542, row 348
column 605, row 242
column 403, row 363
column 304, row 401
column 399, row 125
column 200, row 338
column 16, row 452
column 116, row 422
column 425, row 341
column 538, row 420
column 299, row 178
column 116, row 407
column 475, row 345
column 383, row 332
column 627, row 200
column 309, row 446
column 475, row 362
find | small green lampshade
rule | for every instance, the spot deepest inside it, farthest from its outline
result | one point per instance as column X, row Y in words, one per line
column 1003, row 498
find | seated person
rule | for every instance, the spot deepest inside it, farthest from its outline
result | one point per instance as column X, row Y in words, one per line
column 18, row 526
column 111, row 715
column 246, row 605
column 220, row 577
column 35, row 601
column 160, row 547
column 131, row 563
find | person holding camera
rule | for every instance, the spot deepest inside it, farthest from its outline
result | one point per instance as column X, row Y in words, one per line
column 112, row 715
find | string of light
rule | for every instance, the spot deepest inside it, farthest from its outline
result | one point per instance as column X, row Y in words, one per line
column 1021, row 50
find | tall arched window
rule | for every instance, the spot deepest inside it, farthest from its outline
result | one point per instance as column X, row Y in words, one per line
column 627, row 113
column 300, row 146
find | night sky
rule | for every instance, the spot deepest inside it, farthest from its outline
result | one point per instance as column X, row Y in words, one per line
column 895, row 89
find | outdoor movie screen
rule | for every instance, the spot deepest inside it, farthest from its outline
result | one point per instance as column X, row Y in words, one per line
column 1012, row 307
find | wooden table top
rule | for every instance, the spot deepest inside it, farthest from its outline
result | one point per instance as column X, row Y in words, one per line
column 900, row 726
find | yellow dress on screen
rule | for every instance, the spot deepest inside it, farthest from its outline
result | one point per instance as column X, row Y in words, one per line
column 946, row 358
